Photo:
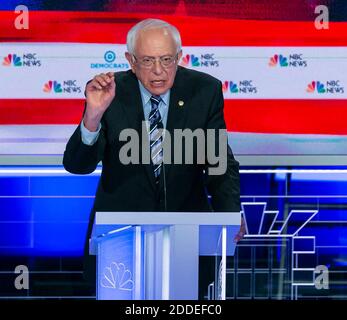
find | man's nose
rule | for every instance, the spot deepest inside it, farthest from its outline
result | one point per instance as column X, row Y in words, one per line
column 157, row 67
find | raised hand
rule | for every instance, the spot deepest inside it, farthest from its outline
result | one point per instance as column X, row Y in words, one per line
column 99, row 92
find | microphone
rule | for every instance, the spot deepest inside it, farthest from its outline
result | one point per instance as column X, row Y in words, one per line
column 164, row 180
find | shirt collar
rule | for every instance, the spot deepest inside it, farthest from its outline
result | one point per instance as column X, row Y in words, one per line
column 146, row 95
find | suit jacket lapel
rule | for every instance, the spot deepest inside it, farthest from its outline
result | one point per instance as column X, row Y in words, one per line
column 179, row 99
column 178, row 108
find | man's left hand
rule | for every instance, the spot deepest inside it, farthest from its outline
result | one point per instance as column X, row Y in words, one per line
column 241, row 232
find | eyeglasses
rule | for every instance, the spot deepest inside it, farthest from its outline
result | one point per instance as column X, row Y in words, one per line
column 148, row 62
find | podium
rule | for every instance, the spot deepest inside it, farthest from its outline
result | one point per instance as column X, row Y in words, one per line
column 155, row 255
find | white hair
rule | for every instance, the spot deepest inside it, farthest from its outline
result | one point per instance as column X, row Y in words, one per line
column 152, row 24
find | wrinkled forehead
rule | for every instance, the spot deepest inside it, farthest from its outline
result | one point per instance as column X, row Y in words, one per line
column 155, row 42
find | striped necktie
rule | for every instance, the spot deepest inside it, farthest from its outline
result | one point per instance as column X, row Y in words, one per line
column 155, row 135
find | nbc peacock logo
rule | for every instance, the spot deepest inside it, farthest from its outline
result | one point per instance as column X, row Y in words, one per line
column 190, row 59
column 69, row 86
column 231, row 86
column 244, row 87
column 225, row 86
column 280, row 60
column 12, row 59
column 331, row 87
column 52, row 86
column 118, row 277
column 315, row 85
column 27, row 60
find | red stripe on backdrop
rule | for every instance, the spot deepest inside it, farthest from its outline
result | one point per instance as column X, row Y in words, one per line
column 258, row 116
column 40, row 111
column 108, row 27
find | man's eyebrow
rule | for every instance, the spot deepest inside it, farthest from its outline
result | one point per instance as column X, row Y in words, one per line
column 164, row 55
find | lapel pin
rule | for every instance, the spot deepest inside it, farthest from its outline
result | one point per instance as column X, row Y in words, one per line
column 180, row 103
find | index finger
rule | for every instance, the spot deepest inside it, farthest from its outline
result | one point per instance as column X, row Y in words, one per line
column 110, row 74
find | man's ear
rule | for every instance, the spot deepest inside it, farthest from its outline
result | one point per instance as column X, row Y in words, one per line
column 129, row 57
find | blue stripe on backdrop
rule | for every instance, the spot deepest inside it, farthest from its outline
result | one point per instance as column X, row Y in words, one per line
column 45, row 215
column 48, row 215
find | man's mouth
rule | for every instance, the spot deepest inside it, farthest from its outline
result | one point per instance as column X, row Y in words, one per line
column 157, row 82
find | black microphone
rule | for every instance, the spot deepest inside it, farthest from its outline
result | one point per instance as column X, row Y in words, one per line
column 164, row 180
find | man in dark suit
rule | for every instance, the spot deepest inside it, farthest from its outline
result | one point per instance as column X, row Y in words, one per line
column 168, row 97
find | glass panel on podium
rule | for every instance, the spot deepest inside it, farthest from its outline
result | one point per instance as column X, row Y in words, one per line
column 119, row 265
column 218, row 241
